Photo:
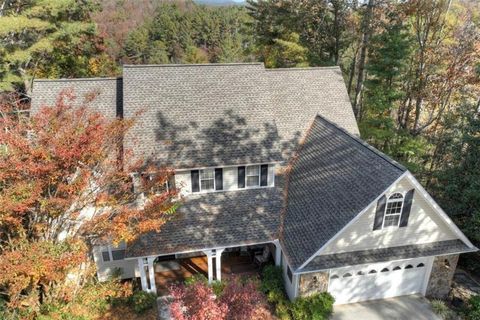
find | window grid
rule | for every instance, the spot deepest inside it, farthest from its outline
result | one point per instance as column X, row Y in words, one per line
column 207, row 179
column 393, row 210
column 253, row 176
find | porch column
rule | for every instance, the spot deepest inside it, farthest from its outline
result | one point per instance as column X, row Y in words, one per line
column 209, row 254
column 218, row 262
column 151, row 271
column 143, row 276
column 278, row 252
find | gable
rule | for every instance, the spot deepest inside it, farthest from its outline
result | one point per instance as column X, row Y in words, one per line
column 424, row 226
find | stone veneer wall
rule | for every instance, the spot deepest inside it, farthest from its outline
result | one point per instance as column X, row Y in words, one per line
column 440, row 281
column 311, row 283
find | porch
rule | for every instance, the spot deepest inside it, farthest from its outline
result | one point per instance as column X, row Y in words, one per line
column 214, row 264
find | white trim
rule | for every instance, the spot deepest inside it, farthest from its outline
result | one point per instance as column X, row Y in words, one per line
column 258, row 175
column 218, row 263
column 394, row 214
column 426, row 280
column 351, row 221
column 203, row 249
column 143, row 276
column 352, row 265
column 270, row 165
column 200, row 180
column 278, row 253
column 436, row 208
column 296, row 283
column 229, row 166
column 210, row 265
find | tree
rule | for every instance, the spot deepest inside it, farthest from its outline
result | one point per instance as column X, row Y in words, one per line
column 320, row 26
column 457, row 184
column 285, row 52
column 388, row 60
column 64, row 187
column 49, row 38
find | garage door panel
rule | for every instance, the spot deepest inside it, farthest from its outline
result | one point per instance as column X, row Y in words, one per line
column 377, row 281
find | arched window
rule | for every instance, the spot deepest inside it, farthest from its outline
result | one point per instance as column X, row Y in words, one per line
column 409, row 266
column 360, row 273
column 393, row 210
column 420, row 265
column 385, row 270
column 372, row 271
column 397, row 268
column 346, row 275
column 334, row 276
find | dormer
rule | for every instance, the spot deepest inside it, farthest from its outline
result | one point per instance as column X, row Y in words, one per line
column 225, row 178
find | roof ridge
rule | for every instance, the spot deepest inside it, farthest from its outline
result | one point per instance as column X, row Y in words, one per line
column 77, row 79
column 304, row 68
column 191, row 65
column 364, row 144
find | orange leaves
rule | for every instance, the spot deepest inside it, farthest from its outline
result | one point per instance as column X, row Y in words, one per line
column 26, row 265
column 61, row 186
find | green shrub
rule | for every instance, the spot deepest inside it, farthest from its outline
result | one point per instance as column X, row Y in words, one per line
column 315, row 307
column 440, row 308
column 473, row 310
column 282, row 310
column 272, row 279
column 217, row 286
column 142, row 301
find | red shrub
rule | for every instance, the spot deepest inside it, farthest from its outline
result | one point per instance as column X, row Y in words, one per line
column 240, row 300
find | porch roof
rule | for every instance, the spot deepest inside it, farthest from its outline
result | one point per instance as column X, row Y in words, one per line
column 218, row 219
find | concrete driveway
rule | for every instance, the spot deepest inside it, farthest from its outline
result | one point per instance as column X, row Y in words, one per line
column 400, row 308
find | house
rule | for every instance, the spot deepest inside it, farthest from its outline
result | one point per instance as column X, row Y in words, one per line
column 273, row 159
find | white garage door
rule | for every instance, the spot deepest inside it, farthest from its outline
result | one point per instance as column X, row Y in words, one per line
column 377, row 281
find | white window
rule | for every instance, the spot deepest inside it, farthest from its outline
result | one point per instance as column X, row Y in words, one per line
column 393, row 210
column 253, row 176
column 207, row 179
column 113, row 254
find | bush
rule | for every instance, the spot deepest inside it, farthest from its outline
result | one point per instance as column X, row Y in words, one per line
column 142, row 301
column 236, row 299
column 473, row 310
column 282, row 310
column 315, row 307
column 440, row 308
column 272, row 279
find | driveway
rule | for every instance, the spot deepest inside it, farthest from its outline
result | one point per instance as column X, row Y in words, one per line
column 400, row 308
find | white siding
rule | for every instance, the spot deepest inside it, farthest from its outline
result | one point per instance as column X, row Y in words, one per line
column 424, row 226
column 183, row 182
column 106, row 269
column 230, row 179
column 290, row 287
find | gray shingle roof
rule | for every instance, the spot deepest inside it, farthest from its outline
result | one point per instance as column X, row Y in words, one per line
column 299, row 94
column 387, row 254
column 108, row 91
column 227, row 114
column 333, row 178
column 200, row 115
column 213, row 114
column 214, row 220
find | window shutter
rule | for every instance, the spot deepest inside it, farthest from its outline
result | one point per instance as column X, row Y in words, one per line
column 379, row 213
column 264, row 175
column 241, row 177
column 218, row 179
column 407, row 206
column 195, row 175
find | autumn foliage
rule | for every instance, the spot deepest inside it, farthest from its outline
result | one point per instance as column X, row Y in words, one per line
column 240, row 299
column 66, row 184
